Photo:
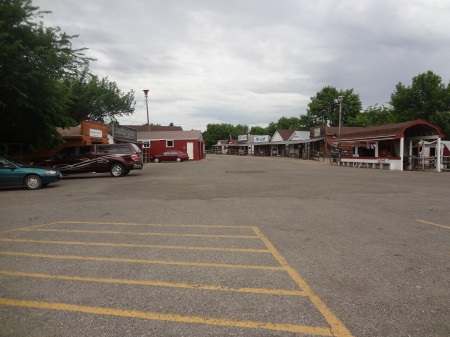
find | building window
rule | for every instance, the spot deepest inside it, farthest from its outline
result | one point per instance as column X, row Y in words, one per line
column 145, row 145
column 169, row 143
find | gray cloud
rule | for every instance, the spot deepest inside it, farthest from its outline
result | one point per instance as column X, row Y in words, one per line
column 208, row 61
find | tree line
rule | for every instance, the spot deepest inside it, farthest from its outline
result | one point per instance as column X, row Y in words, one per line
column 427, row 98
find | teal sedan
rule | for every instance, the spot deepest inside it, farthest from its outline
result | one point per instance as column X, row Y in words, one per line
column 13, row 173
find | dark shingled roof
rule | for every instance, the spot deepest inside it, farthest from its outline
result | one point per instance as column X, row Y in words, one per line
column 285, row 133
column 417, row 128
column 144, row 128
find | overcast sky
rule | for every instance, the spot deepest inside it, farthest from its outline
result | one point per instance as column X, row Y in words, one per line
column 253, row 61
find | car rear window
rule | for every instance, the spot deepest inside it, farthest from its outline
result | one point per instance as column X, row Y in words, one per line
column 135, row 147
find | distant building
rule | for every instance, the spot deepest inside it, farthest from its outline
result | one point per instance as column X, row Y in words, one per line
column 156, row 142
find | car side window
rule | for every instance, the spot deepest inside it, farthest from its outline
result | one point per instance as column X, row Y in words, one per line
column 85, row 150
column 67, row 152
column 114, row 149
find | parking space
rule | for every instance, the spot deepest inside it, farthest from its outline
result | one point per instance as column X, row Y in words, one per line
column 170, row 265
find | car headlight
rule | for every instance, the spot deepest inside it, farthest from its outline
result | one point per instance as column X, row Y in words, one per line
column 50, row 172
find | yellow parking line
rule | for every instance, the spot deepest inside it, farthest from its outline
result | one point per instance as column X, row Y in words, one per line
column 112, row 244
column 157, row 284
column 434, row 224
column 312, row 330
column 25, row 228
column 145, row 233
column 110, row 259
column 337, row 327
column 140, row 224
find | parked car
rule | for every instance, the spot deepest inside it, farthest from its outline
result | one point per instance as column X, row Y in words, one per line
column 117, row 159
column 13, row 173
column 171, row 155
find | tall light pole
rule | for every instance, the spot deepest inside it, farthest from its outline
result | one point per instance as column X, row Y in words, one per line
column 339, row 101
column 146, row 105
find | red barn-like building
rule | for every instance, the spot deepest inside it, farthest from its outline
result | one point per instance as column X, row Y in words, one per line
column 156, row 142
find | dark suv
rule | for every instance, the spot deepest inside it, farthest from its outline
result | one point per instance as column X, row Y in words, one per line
column 117, row 159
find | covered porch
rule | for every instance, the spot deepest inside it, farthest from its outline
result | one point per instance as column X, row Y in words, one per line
column 392, row 147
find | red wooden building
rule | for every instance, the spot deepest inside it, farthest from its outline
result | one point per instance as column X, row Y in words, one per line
column 156, row 142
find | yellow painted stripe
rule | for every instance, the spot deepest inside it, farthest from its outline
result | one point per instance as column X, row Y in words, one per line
column 157, row 284
column 338, row 328
column 145, row 233
column 312, row 330
column 25, row 228
column 140, row 224
column 434, row 224
column 110, row 259
column 112, row 244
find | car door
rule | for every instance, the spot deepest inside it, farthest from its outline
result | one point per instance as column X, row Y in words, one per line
column 85, row 160
column 74, row 159
column 9, row 173
column 173, row 155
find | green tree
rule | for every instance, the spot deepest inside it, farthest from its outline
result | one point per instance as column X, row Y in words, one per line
column 373, row 115
column 96, row 99
column 426, row 96
column 286, row 123
column 323, row 110
column 271, row 128
column 216, row 132
column 33, row 59
column 258, row 130
column 442, row 119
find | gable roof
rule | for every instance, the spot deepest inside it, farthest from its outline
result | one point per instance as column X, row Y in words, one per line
column 299, row 135
column 172, row 135
column 282, row 135
column 144, row 127
column 73, row 132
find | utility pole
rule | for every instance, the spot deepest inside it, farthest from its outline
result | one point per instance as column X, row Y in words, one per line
column 146, row 105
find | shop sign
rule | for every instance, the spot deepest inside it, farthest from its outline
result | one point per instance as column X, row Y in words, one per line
column 259, row 139
column 95, row 133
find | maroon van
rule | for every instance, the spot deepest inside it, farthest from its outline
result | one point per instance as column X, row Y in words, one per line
column 117, row 159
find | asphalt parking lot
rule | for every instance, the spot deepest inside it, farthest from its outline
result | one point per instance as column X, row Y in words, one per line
column 228, row 246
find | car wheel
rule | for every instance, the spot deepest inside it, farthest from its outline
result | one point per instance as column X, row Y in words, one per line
column 178, row 159
column 117, row 170
column 157, row 160
column 33, row 182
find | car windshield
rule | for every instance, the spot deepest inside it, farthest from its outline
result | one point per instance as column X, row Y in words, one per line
column 15, row 162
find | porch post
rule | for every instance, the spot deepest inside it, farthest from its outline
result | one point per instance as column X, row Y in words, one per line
column 410, row 154
column 438, row 155
column 376, row 148
column 402, row 151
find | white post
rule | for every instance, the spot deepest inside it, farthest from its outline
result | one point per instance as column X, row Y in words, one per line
column 410, row 154
column 438, row 155
column 402, row 151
